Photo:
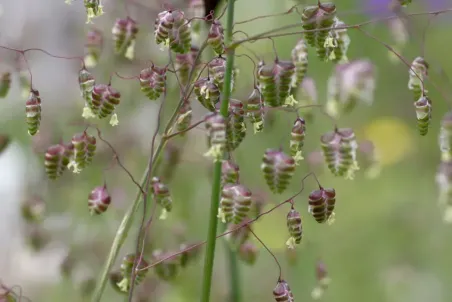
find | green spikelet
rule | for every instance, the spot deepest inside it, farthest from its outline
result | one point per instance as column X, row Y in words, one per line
column 124, row 35
column 284, row 71
column 330, row 200
column 339, row 150
column 184, row 118
column 126, row 272
column 87, row 82
column 56, row 159
column 230, row 172
column 236, row 129
column 5, row 83
column 226, row 210
column 180, row 36
column 254, row 110
column 216, row 126
column 295, row 228
column 297, row 137
column 267, row 84
column 282, row 292
column 309, row 22
column 163, row 26
column 105, row 100
column 339, row 53
column 93, row 9
column 184, row 62
column 207, row 93
column 445, row 137
column 417, row 75
column 325, row 19
column 161, row 195
column 300, row 60
column 242, row 203
column 217, row 69
column 423, row 108
column 153, row 81
column 216, row 37
column 278, row 169
column 33, row 112
column 84, row 149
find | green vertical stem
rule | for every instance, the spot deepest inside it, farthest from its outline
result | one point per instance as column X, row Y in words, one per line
column 234, row 276
column 216, row 185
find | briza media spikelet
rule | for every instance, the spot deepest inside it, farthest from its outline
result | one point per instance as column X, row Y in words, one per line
column 207, row 93
column 185, row 116
column 321, row 205
column 300, row 60
column 216, row 126
column 93, row 8
column 325, row 19
column 239, row 234
column 417, row 75
column 126, row 271
column 226, row 210
column 163, row 26
column 57, row 158
column 173, row 30
column 267, row 84
column 282, row 292
column 322, row 281
column 99, row 200
column 86, row 83
column 295, row 228
column 105, row 100
column 124, row 35
column 308, row 20
column 230, row 172
column 255, row 110
column 84, row 149
column 445, row 137
column 339, row 150
column 216, row 37
column 33, row 209
column 236, row 129
column 189, row 252
column 235, row 203
column 297, row 137
column 93, row 47
column 217, row 69
column 423, row 108
column 33, row 112
column 342, row 42
column 278, row 169
column 283, row 72
column 153, row 81
column 161, row 195
column 5, row 83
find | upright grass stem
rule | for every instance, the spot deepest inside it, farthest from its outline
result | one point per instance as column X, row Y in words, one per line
column 216, row 185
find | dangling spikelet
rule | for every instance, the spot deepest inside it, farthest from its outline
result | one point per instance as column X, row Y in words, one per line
column 294, row 226
column 161, row 195
column 84, row 149
column 248, row 253
column 444, row 183
column 226, row 210
column 267, row 84
column 278, row 169
column 184, row 118
column 242, row 203
column 207, row 93
column 297, row 139
column 162, row 27
column 105, row 100
column 216, row 37
column 282, row 292
column 126, row 272
column 167, row 269
column 339, row 150
column 185, row 62
column 229, row 172
column 309, row 22
column 94, row 9
column 300, row 60
column 445, row 137
column 330, row 200
column 93, row 47
column 124, row 35
column 180, row 36
column 254, row 110
column 99, row 200
column 153, row 81
column 418, row 73
column 57, row 159
column 283, row 72
column 423, row 108
column 33, row 112
column 325, row 19
column 322, row 281
column 217, row 69
column 339, row 53
column 87, row 82
column 5, row 83
column 236, row 128
column 317, row 206
column 216, row 126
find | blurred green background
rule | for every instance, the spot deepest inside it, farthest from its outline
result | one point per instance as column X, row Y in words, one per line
column 389, row 242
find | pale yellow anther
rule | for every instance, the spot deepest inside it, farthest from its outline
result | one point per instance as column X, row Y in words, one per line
column 88, row 113
column 114, row 120
column 298, row 157
column 258, row 127
column 331, row 219
column 163, row 214
column 216, row 152
column 221, row 215
column 290, row 243
column 130, row 52
column 290, row 101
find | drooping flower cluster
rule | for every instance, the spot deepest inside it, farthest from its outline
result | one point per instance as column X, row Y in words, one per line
column 98, row 200
column 323, row 281
column 321, row 205
column 282, row 292
column 153, row 81
column 186, row 62
column 124, row 35
column 33, row 112
column 172, row 30
column 104, row 101
column 216, row 126
column 216, row 37
column 207, row 93
column 278, row 169
column 57, row 158
column 235, row 203
column 236, row 128
column 300, row 60
column 84, row 149
column 94, row 9
column 422, row 103
column 295, row 228
column 275, row 81
column 254, row 110
column 297, row 137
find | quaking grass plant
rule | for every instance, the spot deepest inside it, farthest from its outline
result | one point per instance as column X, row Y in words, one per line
column 281, row 84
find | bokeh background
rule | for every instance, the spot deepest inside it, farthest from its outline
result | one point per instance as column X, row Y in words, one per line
column 389, row 241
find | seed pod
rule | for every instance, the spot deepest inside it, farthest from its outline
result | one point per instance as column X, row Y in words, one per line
column 267, row 84
column 300, row 60
column 248, row 253
column 217, row 70
column 216, row 37
column 98, row 200
column 308, row 20
column 105, row 99
column 339, row 150
column 226, row 210
column 317, row 206
column 325, row 19
column 423, row 108
column 444, row 183
column 322, row 281
column 124, row 35
column 216, row 126
column 33, row 112
column 180, row 35
column 167, row 269
column 184, row 118
column 229, row 172
column 153, row 81
column 207, row 93
column 294, row 225
column 236, row 128
column 126, row 272
column 185, row 62
column 417, row 75
column 241, row 234
column 93, row 9
column 57, row 159
column 84, row 149
column 282, row 292
column 278, row 169
column 5, row 83
column 33, row 209
column 93, row 47
column 297, row 139
column 307, row 97
column 445, row 137
column 254, row 110
column 339, row 53
column 161, row 195
column 283, row 71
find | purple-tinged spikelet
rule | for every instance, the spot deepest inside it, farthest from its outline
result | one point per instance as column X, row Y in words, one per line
column 241, row 234
column 254, row 110
column 93, row 47
column 161, row 195
column 126, row 272
column 98, row 200
column 185, row 62
column 124, row 35
column 321, row 205
column 297, row 137
column 278, row 169
column 248, row 253
column 153, row 81
column 105, row 100
column 207, row 93
column 267, row 84
column 230, row 172
column 322, row 281
column 86, row 83
column 295, row 228
column 216, row 126
column 235, row 203
column 216, row 37
column 282, row 292
column 84, row 150
column 33, row 112
column 56, row 159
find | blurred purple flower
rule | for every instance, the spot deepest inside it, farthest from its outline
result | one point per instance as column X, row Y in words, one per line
column 382, row 7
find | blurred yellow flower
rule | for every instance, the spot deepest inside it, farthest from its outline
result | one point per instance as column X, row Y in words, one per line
column 392, row 139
